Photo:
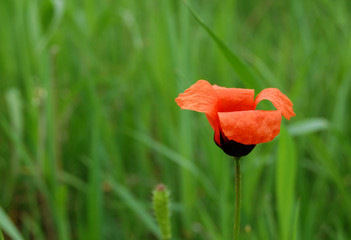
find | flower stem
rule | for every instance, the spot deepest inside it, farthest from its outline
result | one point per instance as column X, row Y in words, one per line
column 237, row 199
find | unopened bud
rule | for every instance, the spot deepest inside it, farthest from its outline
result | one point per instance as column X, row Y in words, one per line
column 160, row 201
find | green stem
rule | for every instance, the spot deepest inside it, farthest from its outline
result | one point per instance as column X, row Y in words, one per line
column 1, row 236
column 237, row 199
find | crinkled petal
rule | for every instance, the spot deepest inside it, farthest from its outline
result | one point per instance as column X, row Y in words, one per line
column 250, row 127
column 279, row 100
column 234, row 99
column 201, row 97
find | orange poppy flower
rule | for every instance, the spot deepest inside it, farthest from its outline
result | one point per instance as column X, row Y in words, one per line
column 231, row 112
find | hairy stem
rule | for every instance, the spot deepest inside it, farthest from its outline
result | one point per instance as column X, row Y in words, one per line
column 237, row 199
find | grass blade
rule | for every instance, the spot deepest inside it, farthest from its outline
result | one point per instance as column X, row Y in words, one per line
column 135, row 206
column 285, row 183
column 7, row 225
column 309, row 126
column 1, row 236
column 246, row 75
column 295, row 225
column 176, row 158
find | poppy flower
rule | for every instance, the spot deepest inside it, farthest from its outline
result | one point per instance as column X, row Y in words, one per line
column 237, row 126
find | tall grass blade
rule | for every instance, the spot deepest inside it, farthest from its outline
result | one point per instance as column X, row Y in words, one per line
column 59, row 7
column 285, row 183
column 176, row 158
column 136, row 206
column 94, row 196
column 8, row 227
column 246, row 75
column 308, row 126
column 295, row 226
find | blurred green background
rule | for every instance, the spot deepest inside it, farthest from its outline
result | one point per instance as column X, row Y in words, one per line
column 89, row 126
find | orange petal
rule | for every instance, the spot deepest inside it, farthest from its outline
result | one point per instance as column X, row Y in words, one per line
column 234, row 99
column 250, row 127
column 279, row 100
column 201, row 97
column 214, row 121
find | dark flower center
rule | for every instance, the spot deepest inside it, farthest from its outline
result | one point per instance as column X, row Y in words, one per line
column 233, row 148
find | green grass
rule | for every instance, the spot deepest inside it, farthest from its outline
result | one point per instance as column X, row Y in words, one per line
column 89, row 126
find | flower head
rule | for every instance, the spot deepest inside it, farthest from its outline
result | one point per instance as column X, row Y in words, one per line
column 237, row 126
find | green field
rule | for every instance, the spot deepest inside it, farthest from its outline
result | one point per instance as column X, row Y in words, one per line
column 89, row 124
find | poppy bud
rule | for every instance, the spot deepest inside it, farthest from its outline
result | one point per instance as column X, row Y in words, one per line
column 161, row 208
